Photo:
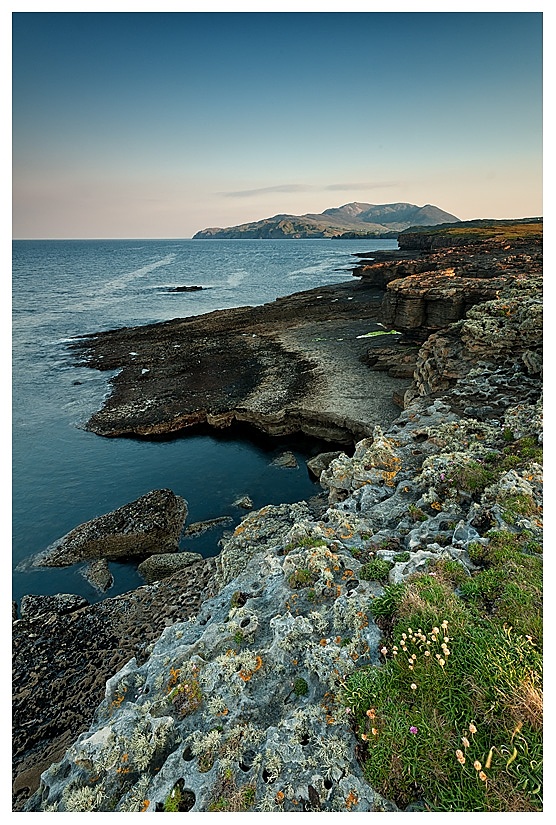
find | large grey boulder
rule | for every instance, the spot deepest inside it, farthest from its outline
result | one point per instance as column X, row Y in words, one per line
column 151, row 524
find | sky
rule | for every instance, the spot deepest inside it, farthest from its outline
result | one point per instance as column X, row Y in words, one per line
column 159, row 124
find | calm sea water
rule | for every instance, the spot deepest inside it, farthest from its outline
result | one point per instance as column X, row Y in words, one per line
column 63, row 475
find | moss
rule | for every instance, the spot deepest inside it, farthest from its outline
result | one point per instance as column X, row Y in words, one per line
column 179, row 800
column 300, row 687
column 301, row 578
column 307, row 542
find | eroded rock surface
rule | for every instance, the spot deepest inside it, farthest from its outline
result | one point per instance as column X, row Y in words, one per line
column 64, row 651
column 288, row 366
column 151, row 524
column 249, row 688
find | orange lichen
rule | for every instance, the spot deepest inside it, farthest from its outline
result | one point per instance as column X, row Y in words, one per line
column 173, row 680
column 351, row 800
column 145, row 804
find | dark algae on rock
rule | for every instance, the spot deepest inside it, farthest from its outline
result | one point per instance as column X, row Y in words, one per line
column 381, row 653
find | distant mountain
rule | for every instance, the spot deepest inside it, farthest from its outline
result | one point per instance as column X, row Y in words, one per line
column 353, row 220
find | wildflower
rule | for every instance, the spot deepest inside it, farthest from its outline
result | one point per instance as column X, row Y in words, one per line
column 444, row 625
column 384, row 650
column 409, row 630
column 441, row 662
column 394, row 653
column 413, row 686
column 413, row 655
column 482, row 776
column 465, row 741
column 472, row 728
column 374, row 731
column 477, row 765
column 413, row 729
column 460, row 757
column 427, row 653
column 364, row 737
column 446, row 639
column 371, row 713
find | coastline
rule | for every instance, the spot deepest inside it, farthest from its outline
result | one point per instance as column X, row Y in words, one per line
column 290, row 347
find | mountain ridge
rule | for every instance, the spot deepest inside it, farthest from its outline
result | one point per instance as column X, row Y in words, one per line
column 355, row 219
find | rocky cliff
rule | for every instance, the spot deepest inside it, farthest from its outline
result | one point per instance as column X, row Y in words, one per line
column 259, row 701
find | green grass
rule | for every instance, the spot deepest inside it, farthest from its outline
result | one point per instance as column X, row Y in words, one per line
column 484, row 229
column 483, row 669
column 375, row 570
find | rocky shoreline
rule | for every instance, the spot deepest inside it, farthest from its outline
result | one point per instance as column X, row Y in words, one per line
column 227, row 674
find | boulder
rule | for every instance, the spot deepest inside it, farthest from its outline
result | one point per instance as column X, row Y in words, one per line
column 245, row 502
column 321, row 462
column 98, row 575
column 286, row 459
column 150, row 524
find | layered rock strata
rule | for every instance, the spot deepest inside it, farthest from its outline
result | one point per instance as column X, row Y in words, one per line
column 288, row 366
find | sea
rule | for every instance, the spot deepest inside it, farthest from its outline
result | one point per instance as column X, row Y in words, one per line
column 63, row 475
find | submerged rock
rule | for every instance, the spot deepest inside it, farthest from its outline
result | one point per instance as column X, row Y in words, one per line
column 286, row 459
column 245, row 502
column 98, row 574
column 199, row 527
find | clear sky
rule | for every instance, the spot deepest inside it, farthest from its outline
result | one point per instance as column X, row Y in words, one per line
column 145, row 124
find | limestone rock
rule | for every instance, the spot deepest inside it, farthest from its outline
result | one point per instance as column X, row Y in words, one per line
column 199, row 527
column 321, row 462
column 98, row 574
column 62, row 603
column 162, row 565
column 152, row 523
column 245, row 502
column 286, row 459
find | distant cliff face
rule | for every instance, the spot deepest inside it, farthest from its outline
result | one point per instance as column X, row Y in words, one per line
column 351, row 220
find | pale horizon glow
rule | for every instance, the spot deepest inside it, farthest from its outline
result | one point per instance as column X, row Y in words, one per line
column 158, row 125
